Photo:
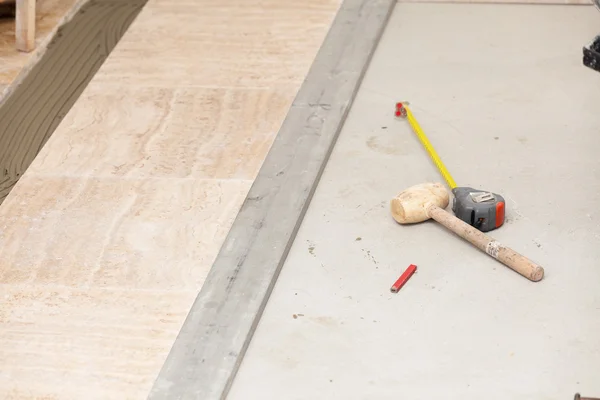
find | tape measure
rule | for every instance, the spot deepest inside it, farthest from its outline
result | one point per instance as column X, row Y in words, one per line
column 481, row 209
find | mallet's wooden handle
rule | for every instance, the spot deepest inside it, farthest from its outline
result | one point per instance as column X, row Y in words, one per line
column 493, row 248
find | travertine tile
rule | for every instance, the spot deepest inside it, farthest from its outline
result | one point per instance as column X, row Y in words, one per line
column 119, row 233
column 104, row 130
column 199, row 133
column 66, row 343
column 218, row 43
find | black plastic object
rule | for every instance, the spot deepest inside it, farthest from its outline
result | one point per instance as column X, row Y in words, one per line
column 591, row 55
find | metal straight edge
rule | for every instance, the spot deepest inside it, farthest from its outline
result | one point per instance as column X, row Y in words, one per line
column 209, row 349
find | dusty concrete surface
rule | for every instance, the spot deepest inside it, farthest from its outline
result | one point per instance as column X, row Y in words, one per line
column 504, row 97
column 37, row 103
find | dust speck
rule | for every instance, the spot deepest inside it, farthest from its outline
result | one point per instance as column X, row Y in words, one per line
column 496, row 138
column 295, row 316
column 370, row 256
column 358, row 239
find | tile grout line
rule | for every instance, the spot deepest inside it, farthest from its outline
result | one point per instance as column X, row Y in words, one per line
column 284, row 86
column 52, row 286
column 136, row 178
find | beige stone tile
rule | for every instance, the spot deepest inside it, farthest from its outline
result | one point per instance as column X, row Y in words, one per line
column 148, row 132
column 66, row 343
column 115, row 233
column 104, row 130
column 220, row 43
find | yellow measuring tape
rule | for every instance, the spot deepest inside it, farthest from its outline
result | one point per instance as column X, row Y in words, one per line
column 423, row 138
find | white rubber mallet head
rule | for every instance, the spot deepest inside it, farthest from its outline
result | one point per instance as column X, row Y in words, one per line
column 411, row 205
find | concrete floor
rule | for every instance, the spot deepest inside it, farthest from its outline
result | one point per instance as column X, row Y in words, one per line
column 501, row 91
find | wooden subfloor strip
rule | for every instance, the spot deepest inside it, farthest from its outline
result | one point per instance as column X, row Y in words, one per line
column 33, row 110
column 211, row 344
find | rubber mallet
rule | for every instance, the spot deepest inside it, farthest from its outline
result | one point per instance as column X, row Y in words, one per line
column 429, row 200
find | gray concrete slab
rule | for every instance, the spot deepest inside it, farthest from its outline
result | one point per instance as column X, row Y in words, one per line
column 212, row 342
column 501, row 92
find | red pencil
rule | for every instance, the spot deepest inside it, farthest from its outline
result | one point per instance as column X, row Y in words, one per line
column 404, row 278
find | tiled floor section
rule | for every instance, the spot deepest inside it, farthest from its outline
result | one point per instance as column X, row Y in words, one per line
column 107, row 238
column 159, row 132
column 48, row 16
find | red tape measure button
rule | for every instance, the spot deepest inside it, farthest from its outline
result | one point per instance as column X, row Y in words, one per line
column 499, row 214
